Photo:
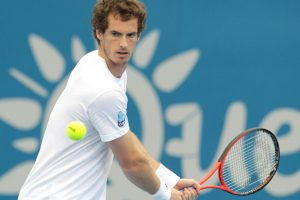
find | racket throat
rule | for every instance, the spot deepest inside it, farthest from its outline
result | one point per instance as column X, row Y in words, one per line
column 210, row 173
column 217, row 187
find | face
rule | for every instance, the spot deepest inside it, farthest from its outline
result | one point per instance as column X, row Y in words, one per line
column 118, row 42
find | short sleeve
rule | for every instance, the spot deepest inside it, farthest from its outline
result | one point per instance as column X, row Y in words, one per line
column 108, row 114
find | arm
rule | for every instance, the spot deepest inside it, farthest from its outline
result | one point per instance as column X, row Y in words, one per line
column 135, row 162
column 169, row 177
column 139, row 167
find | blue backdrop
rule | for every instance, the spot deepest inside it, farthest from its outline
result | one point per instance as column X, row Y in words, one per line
column 202, row 72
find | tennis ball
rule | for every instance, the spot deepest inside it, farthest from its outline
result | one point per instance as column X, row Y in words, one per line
column 76, row 130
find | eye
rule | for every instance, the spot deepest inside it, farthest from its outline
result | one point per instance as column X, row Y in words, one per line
column 132, row 35
column 115, row 34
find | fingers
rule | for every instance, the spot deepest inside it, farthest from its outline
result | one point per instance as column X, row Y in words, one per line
column 185, row 183
column 189, row 194
column 184, row 194
column 177, row 195
column 197, row 186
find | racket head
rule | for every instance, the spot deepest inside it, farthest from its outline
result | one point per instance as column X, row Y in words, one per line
column 249, row 161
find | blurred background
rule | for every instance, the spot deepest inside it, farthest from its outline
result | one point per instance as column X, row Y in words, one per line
column 203, row 71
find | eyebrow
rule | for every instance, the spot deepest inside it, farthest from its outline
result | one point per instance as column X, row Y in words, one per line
column 129, row 33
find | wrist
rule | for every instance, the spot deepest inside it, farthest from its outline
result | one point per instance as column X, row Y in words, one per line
column 163, row 193
column 169, row 177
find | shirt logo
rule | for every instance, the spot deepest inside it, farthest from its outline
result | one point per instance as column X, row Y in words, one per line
column 121, row 119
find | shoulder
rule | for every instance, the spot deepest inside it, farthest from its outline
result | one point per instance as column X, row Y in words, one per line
column 110, row 97
column 89, row 67
column 90, row 57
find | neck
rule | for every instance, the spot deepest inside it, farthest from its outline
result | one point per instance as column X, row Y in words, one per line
column 115, row 69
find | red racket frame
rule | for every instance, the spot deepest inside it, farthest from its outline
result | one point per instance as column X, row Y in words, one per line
column 220, row 164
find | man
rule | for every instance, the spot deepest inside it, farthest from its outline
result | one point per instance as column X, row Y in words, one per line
column 96, row 95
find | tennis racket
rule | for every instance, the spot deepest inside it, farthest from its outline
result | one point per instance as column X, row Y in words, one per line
column 247, row 164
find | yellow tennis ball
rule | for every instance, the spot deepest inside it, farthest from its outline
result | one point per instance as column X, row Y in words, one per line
column 76, row 130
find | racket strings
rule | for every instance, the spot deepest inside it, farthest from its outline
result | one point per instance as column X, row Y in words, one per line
column 245, row 178
column 233, row 185
column 247, row 150
column 239, row 188
column 249, row 145
column 252, row 169
column 249, row 162
column 252, row 166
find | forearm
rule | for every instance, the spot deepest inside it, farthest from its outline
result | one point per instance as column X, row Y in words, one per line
column 134, row 162
column 169, row 177
column 138, row 166
column 142, row 175
column 154, row 163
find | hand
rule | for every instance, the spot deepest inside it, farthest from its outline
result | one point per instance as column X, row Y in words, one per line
column 185, row 183
column 189, row 193
column 176, row 194
column 189, row 188
column 185, row 194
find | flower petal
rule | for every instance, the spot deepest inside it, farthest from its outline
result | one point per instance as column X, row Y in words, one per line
column 12, row 181
column 145, row 49
column 78, row 49
column 21, row 113
column 27, row 145
column 171, row 73
column 49, row 60
column 28, row 82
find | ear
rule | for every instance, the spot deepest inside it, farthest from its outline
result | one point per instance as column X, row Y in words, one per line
column 99, row 35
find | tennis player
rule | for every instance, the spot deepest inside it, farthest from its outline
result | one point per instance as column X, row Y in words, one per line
column 96, row 95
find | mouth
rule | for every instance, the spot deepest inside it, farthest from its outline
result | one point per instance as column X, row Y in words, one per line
column 122, row 53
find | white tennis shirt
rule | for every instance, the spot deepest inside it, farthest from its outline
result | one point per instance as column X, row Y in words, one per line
column 78, row 170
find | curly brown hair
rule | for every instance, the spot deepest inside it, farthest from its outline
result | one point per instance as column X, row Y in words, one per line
column 126, row 9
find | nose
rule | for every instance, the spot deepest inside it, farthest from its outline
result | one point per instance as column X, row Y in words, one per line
column 123, row 42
